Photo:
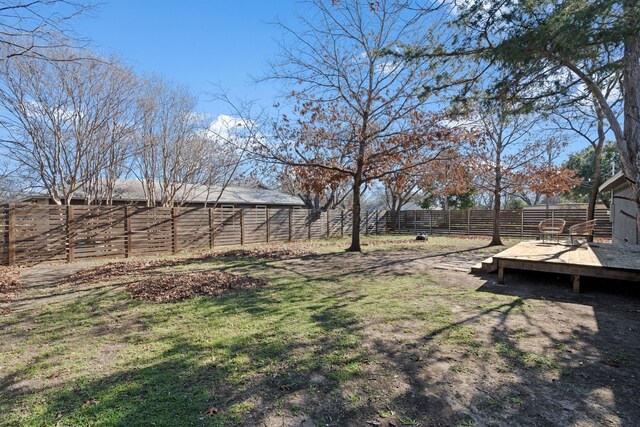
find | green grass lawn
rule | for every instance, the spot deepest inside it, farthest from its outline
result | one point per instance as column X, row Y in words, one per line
column 309, row 345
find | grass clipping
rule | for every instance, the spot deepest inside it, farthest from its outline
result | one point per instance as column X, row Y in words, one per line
column 181, row 286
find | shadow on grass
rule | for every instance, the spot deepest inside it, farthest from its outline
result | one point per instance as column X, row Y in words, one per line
column 291, row 352
column 264, row 371
column 594, row 361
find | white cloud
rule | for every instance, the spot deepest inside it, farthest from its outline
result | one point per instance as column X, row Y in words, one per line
column 222, row 127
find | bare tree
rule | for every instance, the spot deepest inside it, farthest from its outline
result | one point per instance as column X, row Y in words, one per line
column 119, row 140
column 64, row 118
column 400, row 188
column 37, row 28
column 356, row 106
column 13, row 184
column 550, row 49
column 586, row 119
column 503, row 162
column 169, row 154
column 319, row 189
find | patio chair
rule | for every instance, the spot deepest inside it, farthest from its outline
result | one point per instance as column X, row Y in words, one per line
column 551, row 227
column 584, row 229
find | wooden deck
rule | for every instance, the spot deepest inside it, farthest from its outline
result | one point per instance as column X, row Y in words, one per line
column 602, row 260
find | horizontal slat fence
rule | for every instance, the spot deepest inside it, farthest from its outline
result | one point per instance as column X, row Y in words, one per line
column 515, row 223
column 33, row 234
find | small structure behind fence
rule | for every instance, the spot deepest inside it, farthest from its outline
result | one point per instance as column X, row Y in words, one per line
column 32, row 234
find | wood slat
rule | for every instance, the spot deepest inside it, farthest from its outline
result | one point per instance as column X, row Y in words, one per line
column 36, row 233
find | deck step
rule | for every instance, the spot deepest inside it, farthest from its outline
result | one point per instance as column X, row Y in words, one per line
column 489, row 265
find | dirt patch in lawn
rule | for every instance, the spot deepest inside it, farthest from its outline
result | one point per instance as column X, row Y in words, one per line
column 383, row 338
column 175, row 287
column 407, row 261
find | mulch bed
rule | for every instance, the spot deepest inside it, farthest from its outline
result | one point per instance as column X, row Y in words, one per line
column 9, row 283
column 179, row 286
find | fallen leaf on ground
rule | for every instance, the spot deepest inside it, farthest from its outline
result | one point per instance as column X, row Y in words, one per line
column 122, row 269
column 211, row 411
column 269, row 252
column 88, row 403
column 9, row 282
column 179, row 286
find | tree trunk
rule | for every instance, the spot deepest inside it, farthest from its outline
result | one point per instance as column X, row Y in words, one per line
column 355, row 232
column 495, row 238
column 631, row 86
column 597, row 159
column 597, row 178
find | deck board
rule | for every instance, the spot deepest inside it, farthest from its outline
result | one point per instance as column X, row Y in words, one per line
column 605, row 260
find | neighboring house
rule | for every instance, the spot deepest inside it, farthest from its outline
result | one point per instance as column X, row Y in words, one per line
column 624, row 211
column 412, row 206
column 131, row 192
column 381, row 206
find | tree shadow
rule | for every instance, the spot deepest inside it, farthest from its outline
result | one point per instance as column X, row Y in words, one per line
column 588, row 373
column 249, row 378
column 530, row 353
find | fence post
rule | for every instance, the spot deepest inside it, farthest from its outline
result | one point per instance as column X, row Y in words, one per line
column 341, row 223
column 268, row 227
column 212, row 233
column 290, row 224
column 127, row 232
column 377, row 220
column 174, row 228
column 366, row 223
column 522, row 223
column 71, row 250
column 468, row 222
column 241, row 226
column 449, row 211
column 11, row 235
column 415, row 222
column 430, row 221
column 309, row 218
column 328, row 225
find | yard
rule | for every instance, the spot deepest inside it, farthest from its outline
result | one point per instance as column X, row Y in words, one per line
column 397, row 335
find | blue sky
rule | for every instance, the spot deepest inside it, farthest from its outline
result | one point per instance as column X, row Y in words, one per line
column 198, row 43
column 195, row 43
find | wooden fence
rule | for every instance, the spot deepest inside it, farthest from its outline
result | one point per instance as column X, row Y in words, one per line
column 35, row 234
column 32, row 234
column 515, row 223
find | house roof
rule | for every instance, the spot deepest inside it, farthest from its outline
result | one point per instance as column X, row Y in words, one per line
column 616, row 181
column 132, row 191
column 412, row 206
column 380, row 205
